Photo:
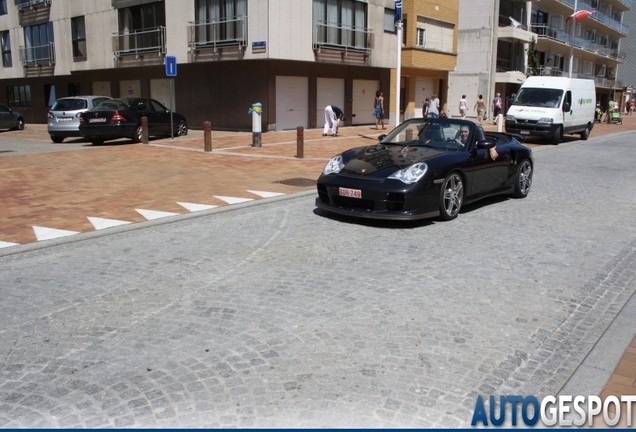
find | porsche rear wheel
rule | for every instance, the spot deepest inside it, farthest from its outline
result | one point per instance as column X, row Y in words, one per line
column 451, row 197
column 524, row 180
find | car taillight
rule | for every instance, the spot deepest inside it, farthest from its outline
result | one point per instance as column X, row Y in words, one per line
column 50, row 115
column 117, row 117
column 81, row 118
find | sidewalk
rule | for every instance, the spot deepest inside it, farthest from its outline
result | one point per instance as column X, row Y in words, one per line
column 54, row 193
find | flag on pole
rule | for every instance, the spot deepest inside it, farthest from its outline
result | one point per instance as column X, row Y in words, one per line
column 398, row 10
column 581, row 15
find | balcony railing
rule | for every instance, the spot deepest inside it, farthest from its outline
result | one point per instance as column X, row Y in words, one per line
column 38, row 55
column 342, row 37
column 30, row 4
column 546, row 32
column 218, row 33
column 599, row 16
column 599, row 80
column 140, row 42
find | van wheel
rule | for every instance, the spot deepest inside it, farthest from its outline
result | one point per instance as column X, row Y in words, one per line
column 586, row 133
column 558, row 134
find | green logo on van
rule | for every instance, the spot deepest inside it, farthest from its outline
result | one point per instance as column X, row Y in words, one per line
column 584, row 101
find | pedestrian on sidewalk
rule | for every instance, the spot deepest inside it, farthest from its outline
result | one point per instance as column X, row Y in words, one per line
column 496, row 107
column 378, row 109
column 425, row 106
column 433, row 109
column 463, row 107
column 480, row 107
column 333, row 116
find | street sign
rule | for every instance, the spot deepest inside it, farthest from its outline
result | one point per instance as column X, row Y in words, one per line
column 171, row 66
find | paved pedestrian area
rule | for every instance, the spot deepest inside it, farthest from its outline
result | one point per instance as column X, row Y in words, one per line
column 256, row 381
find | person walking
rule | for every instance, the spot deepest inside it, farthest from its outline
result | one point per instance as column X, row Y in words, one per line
column 463, row 107
column 427, row 104
column 480, row 107
column 333, row 116
column 433, row 109
column 511, row 100
column 378, row 109
column 496, row 108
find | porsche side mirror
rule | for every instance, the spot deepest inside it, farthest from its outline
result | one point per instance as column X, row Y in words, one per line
column 381, row 137
column 486, row 144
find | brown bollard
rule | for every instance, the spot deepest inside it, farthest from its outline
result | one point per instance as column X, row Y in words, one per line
column 144, row 129
column 300, row 142
column 207, row 136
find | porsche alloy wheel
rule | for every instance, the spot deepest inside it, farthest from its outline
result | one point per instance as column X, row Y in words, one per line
column 451, row 197
column 524, row 179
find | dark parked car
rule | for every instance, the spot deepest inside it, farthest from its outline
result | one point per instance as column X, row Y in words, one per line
column 423, row 169
column 64, row 116
column 121, row 118
column 10, row 119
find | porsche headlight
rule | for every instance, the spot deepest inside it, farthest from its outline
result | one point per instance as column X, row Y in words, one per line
column 547, row 120
column 411, row 174
column 334, row 165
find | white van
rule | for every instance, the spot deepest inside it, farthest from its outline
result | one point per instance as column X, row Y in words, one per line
column 553, row 106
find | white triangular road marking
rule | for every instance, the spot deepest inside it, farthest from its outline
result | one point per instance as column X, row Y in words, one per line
column 43, row 233
column 154, row 214
column 101, row 223
column 265, row 194
column 196, row 207
column 233, row 200
column 4, row 244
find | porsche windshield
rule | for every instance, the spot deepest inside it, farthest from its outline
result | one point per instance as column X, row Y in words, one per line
column 539, row 97
column 438, row 133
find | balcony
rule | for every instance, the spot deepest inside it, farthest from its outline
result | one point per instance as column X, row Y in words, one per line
column 38, row 55
column 31, row 4
column 546, row 32
column 600, row 81
column 343, row 38
column 218, row 33
column 140, row 42
column 599, row 16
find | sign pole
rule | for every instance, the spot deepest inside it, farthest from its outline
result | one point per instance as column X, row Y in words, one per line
column 171, row 108
column 171, row 71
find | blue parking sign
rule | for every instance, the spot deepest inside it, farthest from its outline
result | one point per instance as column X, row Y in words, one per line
column 171, row 66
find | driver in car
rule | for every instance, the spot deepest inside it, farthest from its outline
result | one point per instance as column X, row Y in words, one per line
column 462, row 140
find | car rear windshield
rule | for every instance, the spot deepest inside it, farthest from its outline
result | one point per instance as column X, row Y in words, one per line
column 69, row 105
column 112, row 105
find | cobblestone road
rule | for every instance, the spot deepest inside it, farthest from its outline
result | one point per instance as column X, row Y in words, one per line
column 276, row 315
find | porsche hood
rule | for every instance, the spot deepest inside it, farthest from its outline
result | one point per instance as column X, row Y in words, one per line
column 384, row 159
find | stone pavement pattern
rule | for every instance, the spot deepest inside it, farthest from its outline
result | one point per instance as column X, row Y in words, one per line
column 271, row 318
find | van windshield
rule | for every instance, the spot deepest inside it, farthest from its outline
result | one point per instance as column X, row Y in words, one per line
column 539, row 97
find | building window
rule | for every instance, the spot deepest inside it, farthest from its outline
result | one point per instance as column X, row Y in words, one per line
column 436, row 35
column 389, row 20
column 220, row 22
column 420, row 37
column 142, row 29
column 39, row 47
column 3, row 7
column 19, row 96
column 78, row 35
column 341, row 22
column 6, row 49
column 49, row 95
column 74, row 89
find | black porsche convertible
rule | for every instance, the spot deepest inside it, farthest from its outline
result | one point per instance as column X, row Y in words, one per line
column 425, row 168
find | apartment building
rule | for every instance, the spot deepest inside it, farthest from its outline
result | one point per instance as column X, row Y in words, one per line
column 293, row 56
column 495, row 36
column 428, row 52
